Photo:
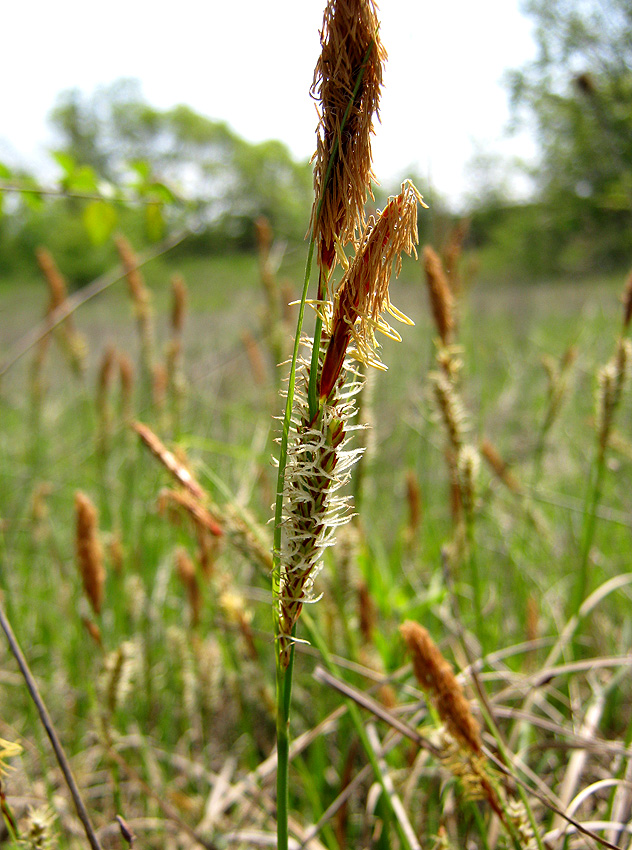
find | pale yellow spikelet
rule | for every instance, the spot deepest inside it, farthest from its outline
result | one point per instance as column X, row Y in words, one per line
column 38, row 833
column 8, row 750
column 351, row 60
column 436, row 677
column 441, row 298
column 450, row 409
column 89, row 552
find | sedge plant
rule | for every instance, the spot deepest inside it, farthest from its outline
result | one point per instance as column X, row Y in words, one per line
column 315, row 457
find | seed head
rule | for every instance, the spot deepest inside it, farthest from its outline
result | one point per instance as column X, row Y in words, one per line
column 436, row 677
column 347, row 82
column 441, row 299
column 89, row 553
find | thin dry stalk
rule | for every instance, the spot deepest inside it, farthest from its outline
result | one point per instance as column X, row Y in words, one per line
column 47, row 723
column 89, row 552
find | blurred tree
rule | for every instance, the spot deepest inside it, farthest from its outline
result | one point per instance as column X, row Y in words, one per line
column 229, row 181
column 579, row 91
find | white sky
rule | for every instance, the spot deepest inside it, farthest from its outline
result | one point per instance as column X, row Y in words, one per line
column 250, row 63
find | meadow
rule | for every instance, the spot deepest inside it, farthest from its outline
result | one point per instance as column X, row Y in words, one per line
column 161, row 684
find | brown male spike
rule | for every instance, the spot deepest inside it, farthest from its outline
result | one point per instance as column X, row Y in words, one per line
column 347, row 82
column 89, row 553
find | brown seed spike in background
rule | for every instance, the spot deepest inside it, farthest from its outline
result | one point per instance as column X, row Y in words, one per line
column 436, row 677
column 351, row 61
column 89, row 553
column 441, row 299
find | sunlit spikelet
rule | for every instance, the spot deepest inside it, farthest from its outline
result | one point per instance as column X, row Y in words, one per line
column 169, row 460
column 441, row 298
column 88, row 549
column 351, row 60
column 437, row 679
column 363, row 294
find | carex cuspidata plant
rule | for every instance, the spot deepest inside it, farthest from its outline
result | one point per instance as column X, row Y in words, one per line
column 316, row 454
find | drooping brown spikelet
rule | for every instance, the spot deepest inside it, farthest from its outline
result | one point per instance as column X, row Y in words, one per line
column 498, row 466
column 441, row 298
column 363, row 294
column 185, row 500
column 186, row 573
column 436, row 677
column 351, row 51
column 88, row 549
column 169, row 460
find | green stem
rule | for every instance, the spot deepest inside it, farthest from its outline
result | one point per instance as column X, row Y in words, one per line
column 593, row 497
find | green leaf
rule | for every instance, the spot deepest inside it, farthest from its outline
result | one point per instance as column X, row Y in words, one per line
column 99, row 219
column 5, row 172
column 65, row 161
column 84, row 179
column 154, row 222
column 161, row 193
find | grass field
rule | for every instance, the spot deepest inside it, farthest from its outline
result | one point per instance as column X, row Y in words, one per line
column 168, row 715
